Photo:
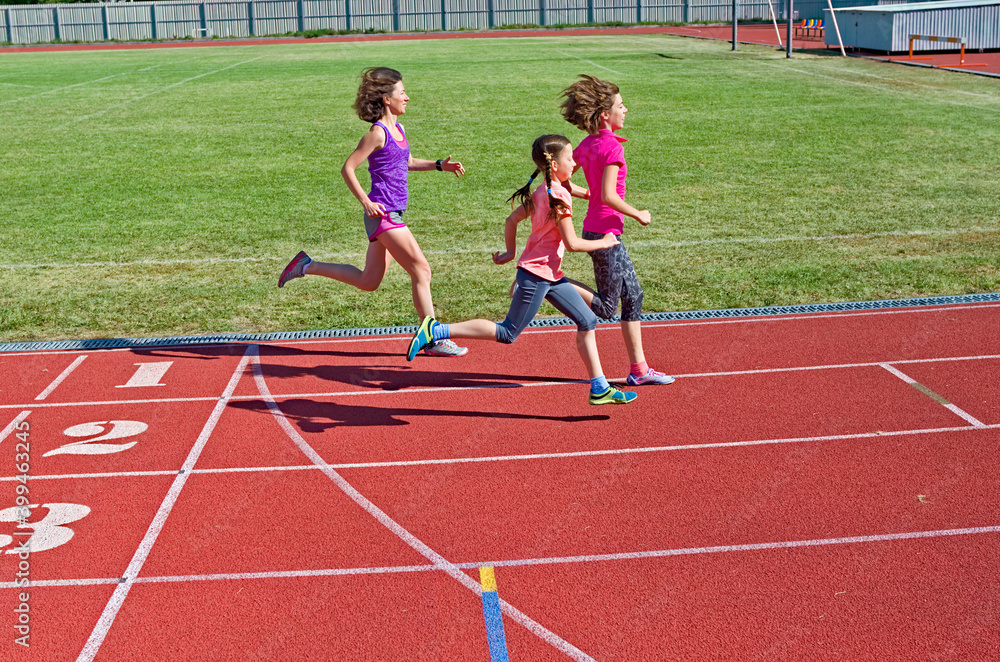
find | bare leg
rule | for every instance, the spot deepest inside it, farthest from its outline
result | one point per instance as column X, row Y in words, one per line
column 474, row 330
column 633, row 341
column 586, row 344
column 402, row 246
column 376, row 263
column 585, row 292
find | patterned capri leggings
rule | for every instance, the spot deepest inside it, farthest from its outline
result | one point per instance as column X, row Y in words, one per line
column 616, row 279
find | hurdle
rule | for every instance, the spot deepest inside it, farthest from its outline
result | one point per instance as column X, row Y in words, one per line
column 950, row 40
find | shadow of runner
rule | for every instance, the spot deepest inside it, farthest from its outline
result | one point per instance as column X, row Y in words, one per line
column 313, row 416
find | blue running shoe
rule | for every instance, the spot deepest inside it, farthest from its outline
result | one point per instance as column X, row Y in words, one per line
column 423, row 337
column 612, row 397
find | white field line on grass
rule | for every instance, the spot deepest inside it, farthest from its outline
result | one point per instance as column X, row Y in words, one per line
column 439, row 562
column 82, row 118
column 921, row 96
column 897, row 81
column 89, row 82
column 466, row 251
column 551, row 560
column 104, row 623
column 575, row 57
column 534, row 384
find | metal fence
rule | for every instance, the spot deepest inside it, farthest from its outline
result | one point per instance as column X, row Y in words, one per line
column 137, row 21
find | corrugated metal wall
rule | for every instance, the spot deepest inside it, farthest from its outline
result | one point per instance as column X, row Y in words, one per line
column 135, row 21
column 889, row 29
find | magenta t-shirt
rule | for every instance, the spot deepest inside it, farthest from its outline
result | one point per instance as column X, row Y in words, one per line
column 594, row 154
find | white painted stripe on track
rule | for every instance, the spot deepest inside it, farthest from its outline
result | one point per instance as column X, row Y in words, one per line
column 947, row 405
column 13, row 425
column 552, row 560
column 402, row 533
column 639, row 243
column 535, row 456
column 104, row 623
column 455, row 389
column 755, row 319
column 59, row 380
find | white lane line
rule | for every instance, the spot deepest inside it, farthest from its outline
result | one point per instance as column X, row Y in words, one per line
column 159, row 91
column 13, row 425
column 934, row 396
column 455, row 389
column 59, row 380
column 532, row 456
column 639, row 243
column 93, row 645
column 403, row 534
column 786, row 317
column 590, row 62
column 512, row 563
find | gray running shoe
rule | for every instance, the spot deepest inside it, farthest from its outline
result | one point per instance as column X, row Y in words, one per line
column 295, row 269
column 445, row 348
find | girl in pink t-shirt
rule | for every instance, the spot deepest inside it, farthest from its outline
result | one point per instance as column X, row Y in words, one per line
column 595, row 106
column 539, row 270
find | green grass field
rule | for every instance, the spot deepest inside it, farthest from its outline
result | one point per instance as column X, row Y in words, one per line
column 160, row 192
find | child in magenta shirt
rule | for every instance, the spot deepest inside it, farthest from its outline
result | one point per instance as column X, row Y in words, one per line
column 539, row 270
column 595, row 106
column 381, row 100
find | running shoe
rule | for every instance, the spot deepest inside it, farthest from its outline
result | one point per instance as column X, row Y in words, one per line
column 613, row 397
column 651, row 377
column 445, row 348
column 295, row 269
column 422, row 338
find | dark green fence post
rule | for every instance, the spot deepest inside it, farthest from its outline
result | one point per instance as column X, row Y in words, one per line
column 55, row 22
column 251, row 20
column 542, row 11
column 491, row 20
column 347, row 14
column 395, row 15
column 154, row 33
column 104, row 22
column 10, row 30
column 444, row 14
column 300, row 10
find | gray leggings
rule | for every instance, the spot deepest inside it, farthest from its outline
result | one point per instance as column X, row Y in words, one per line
column 528, row 295
column 616, row 279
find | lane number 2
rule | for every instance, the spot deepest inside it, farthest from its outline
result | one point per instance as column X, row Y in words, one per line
column 117, row 430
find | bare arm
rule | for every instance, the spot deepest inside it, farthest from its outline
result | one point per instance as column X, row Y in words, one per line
column 577, row 245
column 446, row 164
column 609, row 192
column 373, row 140
column 577, row 191
column 510, row 235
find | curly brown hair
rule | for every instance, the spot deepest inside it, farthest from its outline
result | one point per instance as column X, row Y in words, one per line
column 585, row 100
column 376, row 83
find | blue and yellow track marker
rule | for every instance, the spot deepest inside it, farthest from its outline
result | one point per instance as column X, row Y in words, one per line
column 493, row 616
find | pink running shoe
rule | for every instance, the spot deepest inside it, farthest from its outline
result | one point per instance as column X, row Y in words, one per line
column 295, row 268
column 651, row 377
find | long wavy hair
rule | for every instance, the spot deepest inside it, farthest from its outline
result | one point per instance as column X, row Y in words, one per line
column 544, row 151
column 376, row 83
column 585, row 100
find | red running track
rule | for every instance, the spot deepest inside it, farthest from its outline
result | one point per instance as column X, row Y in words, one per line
column 812, row 487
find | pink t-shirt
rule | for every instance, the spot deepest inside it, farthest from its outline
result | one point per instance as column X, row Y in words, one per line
column 594, row 153
column 543, row 253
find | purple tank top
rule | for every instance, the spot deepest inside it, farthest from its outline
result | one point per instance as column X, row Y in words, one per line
column 388, row 170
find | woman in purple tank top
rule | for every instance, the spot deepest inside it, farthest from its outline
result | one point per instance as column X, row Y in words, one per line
column 381, row 100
